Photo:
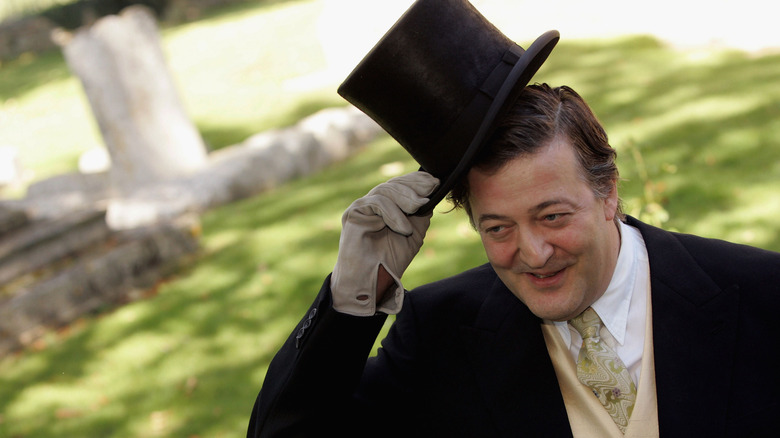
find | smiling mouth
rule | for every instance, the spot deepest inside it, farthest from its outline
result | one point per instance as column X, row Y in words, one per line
column 543, row 276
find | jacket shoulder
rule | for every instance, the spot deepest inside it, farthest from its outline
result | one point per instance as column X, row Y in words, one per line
column 731, row 262
column 725, row 262
column 472, row 284
column 460, row 299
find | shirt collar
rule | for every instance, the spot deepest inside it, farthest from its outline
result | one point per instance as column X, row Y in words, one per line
column 613, row 306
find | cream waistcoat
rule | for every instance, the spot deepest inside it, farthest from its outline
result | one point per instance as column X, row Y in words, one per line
column 587, row 416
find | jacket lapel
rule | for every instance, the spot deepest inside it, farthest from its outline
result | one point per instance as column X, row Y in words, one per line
column 693, row 338
column 518, row 383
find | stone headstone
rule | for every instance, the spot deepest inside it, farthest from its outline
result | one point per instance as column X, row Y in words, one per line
column 122, row 68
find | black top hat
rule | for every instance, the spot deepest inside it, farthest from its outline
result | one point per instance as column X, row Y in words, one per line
column 438, row 80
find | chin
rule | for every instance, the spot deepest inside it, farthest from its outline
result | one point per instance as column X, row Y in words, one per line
column 553, row 311
column 554, row 315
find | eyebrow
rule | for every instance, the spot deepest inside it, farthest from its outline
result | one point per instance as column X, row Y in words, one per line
column 550, row 203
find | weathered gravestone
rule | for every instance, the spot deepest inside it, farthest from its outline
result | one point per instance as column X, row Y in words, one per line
column 122, row 68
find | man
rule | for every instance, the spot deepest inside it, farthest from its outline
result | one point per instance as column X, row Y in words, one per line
column 497, row 350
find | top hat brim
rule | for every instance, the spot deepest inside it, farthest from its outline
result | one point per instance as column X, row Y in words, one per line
column 517, row 79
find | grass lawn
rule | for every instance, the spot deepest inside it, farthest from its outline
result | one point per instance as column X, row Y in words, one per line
column 698, row 137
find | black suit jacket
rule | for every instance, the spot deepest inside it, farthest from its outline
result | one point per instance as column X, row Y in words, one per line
column 466, row 358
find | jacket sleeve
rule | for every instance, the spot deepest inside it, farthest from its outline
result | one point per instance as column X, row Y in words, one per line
column 310, row 383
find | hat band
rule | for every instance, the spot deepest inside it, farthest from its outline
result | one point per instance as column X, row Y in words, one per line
column 498, row 76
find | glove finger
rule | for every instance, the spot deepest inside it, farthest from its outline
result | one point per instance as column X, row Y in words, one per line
column 420, row 224
column 364, row 213
column 414, row 185
column 405, row 197
column 423, row 183
column 403, row 250
column 392, row 214
column 375, row 212
column 388, row 203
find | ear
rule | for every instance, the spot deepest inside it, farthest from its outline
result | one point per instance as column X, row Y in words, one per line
column 611, row 202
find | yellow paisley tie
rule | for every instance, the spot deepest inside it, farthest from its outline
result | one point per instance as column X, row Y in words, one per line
column 600, row 368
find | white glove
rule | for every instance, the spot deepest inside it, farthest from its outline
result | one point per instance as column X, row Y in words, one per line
column 377, row 230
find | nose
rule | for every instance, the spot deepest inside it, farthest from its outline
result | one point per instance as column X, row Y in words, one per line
column 534, row 249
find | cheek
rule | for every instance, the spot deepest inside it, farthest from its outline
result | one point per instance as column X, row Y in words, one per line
column 576, row 238
column 569, row 242
column 499, row 254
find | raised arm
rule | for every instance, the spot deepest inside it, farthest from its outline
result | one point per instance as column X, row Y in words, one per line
column 310, row 382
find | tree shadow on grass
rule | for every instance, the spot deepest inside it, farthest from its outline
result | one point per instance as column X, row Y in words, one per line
column 27, row 73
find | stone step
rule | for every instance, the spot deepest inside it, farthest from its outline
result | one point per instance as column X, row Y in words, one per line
column 11, row 219
column 42, row 243
column 117, row 271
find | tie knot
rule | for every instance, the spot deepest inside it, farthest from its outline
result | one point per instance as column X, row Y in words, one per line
column 587, row 323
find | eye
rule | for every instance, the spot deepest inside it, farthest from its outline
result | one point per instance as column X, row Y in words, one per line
column 555, row 219
column 494, row 230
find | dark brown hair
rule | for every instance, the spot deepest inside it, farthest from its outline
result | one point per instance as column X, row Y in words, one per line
column 539, row 114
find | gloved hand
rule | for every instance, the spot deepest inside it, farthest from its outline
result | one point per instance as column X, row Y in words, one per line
column 378, row 230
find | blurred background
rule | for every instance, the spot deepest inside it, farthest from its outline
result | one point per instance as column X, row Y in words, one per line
column 140, row 296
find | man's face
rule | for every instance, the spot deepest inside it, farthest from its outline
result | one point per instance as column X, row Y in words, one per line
column 549, row 239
